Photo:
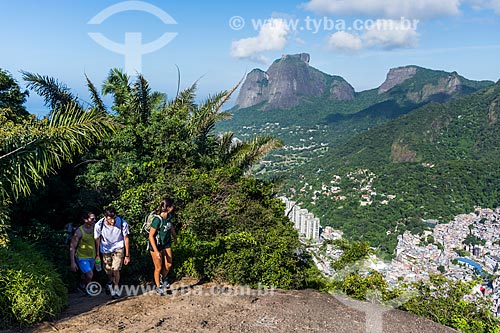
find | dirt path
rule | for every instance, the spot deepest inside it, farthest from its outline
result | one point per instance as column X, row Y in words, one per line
column 211, row 308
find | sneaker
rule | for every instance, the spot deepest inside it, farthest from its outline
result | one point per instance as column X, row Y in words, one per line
column 81, row 289
column 165, row 283
column 116, row 294
column 161, row 280
column 160, row 291
column 109, row 288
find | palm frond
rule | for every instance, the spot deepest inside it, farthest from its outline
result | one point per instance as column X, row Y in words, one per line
column 249, row 153
column 69, row 131
column 204, row 119
column 184, row 102
column 94, row 96
column 54, row 93
column 118, row 84
column 140, row 98
column 225, row 146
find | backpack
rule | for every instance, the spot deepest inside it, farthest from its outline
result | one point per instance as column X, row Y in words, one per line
column 102, row 224
column 69, row 232
column 145, row 229
column 147, row 224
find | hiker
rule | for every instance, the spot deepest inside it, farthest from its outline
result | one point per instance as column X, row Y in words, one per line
column 82, row 250
column 160, row 243
column 111, row 240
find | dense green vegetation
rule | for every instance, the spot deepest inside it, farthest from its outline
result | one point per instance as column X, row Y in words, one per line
column 448, row 302
column 438, row 161
column 432, row 301
column 30, row 288
column 434, row 160
column 230, row 226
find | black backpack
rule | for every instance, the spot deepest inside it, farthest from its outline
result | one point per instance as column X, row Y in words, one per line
column 69, row 232
column 102, row 224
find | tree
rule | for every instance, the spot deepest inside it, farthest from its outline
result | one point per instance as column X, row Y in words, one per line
column 443, row 301
column 11, row 98
column 32, row 149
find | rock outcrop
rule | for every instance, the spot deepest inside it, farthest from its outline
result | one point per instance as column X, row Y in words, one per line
column 421, row 85
column 397, row 76
column 287, row 82
column 195, row 308
column 446, row 88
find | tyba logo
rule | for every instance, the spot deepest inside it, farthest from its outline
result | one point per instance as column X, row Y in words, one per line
column 133, row 49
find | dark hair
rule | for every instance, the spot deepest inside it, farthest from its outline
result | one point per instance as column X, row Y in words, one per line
column 85, row 215
column 164, row 204
column 110, row 211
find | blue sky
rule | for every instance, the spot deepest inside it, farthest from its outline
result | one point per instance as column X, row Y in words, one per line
column 218, row 42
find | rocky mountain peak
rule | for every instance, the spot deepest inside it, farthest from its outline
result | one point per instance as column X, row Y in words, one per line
column 397, row 76
column 287, row 82
column 305, row 57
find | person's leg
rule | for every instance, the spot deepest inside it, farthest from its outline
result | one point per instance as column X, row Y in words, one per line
column 86, row 266
column 107, row 262
column 116, row 266
column 167, row 261
column 116, row 277
column 87, row 276
column 158, row 267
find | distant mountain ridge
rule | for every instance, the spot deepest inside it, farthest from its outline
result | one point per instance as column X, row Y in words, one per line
column 438, row 161
column 429, row 137
column 462, row 129
column 419, row 85
column 291, row 82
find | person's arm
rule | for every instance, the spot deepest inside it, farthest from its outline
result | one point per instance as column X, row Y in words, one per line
column 152, row 241
column 97, row 237
column 72, row 248
column 126, row 260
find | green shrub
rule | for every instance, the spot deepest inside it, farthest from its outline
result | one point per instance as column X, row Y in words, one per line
column 30, row 288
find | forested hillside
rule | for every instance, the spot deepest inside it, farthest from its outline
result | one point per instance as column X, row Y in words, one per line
column 435, row 162
column 147, row 146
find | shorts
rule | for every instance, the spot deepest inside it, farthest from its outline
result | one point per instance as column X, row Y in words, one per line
column 113, row 260
column 85, row 264
column 159, row 247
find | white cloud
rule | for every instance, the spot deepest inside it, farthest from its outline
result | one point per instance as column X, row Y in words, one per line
column 390, row 34
column 300, row 41
column 420, row 9
column 382, row 34
column 345, row 42
column 484, row 4
column 272, row 37
column 495, row 5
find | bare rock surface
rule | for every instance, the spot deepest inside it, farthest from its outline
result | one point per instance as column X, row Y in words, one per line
column 215, row 308
column 397, row 76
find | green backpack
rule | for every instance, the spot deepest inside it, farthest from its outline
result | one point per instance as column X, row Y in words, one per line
column 147, row 224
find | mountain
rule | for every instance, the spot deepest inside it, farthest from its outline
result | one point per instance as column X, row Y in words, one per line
column 311, row 97
column 462, row 129
column 420, row 85
column 437, row 161
column 288, row 82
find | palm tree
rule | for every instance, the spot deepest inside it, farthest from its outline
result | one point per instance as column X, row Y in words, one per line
column 55, row 93
column 33, row 149
column 244, row 155
column 136, row 102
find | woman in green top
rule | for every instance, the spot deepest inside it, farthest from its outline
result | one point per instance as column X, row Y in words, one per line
column 160, row 240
